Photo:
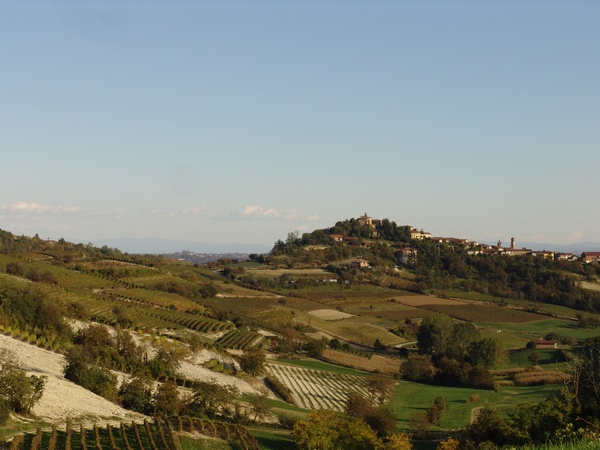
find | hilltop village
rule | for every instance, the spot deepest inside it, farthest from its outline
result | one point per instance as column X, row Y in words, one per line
column 408, row 254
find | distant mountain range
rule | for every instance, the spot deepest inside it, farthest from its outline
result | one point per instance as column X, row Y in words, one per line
column 157, row 246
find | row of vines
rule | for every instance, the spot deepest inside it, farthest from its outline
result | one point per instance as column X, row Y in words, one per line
column 221, row 430
column 240, row 339
column 158, row 435
column 314, row 389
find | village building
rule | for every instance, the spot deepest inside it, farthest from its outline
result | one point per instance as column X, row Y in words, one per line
column 544, row 254
column 419, row 234
column 407, row 256
column 590, row 257
column 360, row 263
column 565, row 257
column 368, row 221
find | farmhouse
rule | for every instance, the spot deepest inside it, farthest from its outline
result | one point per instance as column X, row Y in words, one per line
column 590, row 257
column 360, row 263
column 546, row 343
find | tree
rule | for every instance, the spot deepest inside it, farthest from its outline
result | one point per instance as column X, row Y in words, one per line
column 325, row 430
column 81, row 371
column 435, row 411
column 18, row 391
column 166, row 361
column 586, row 385
column 491, row 426
column 166, row 400
column 399, row 441
column 260, row 406
column 464, row 334
column 534, row 358
column 315, row 348
column 136, row 395
column 211, row 399
column 380, row 387
column 418, row 368
column 253, row 361
column 378, row 418
column 448, row 444
column 486, row 353
column 434, row 334
column 379, row 346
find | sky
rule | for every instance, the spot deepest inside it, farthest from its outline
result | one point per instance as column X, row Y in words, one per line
column 241, row 121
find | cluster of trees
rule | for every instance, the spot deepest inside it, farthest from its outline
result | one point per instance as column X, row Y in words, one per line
column 367, row 423
column 527, row 424
column 207, row 399
column 452, row 353
column 192, row 291
column 18, row 391
column 31, row 273
column 29, row 307
column 571, row 415
column 96, row 351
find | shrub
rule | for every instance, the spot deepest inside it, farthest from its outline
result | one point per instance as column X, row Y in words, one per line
column 280, row 389
column 286, row 421
column 473, row 398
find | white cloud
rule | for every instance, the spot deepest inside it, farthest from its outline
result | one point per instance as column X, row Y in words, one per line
column 315, row 217
column 258, row 212
column 31, row 208
column 576, row 236
column 167, row 212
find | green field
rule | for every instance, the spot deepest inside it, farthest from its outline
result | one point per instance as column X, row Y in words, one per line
column 516, row 335
column 411, row 398
column 272, row 439
column 321, row 365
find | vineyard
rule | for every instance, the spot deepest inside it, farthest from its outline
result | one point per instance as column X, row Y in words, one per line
column 158, row 435
column 240, row 339
column 314, row 389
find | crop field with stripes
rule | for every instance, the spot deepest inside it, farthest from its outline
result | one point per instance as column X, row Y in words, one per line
column 313, row 389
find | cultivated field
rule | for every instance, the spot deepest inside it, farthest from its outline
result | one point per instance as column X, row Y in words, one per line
column 375, row 363
column 313, row 389
column 480, row 312
column 330, row 314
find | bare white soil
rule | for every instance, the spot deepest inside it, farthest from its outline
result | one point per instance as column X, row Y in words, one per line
column 192, row 369
column 330, row 314
column 63, row 399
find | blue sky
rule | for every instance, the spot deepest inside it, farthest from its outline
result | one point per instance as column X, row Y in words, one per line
column 223, row 121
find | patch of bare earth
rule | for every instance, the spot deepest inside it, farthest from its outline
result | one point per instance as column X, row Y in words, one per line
column 593, row 286
column 330, row 314
column 63, row 399
column 377, row 363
